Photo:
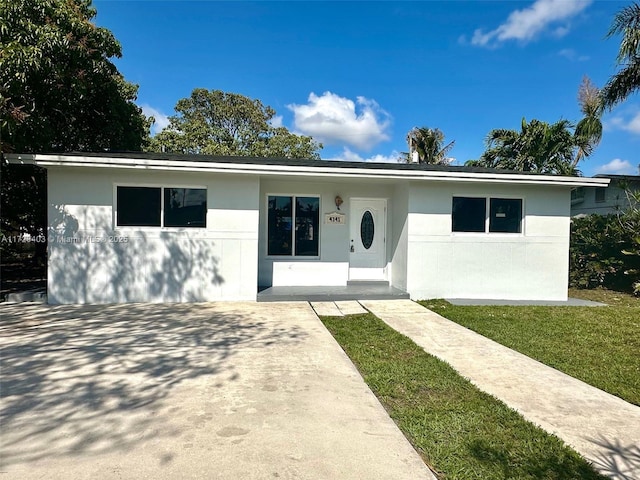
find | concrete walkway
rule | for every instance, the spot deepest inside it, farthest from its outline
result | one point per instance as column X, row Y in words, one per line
column 202, row 391
column 337, row 309
column 601, row 427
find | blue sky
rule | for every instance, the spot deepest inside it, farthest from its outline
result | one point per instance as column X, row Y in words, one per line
column 357, row 76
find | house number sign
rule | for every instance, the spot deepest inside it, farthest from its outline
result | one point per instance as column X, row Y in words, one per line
column 335, row 218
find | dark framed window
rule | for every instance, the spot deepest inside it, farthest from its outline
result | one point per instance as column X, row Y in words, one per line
column 185, row 207
column 293, row 226
column 601, row 194
column 280, row 222
column 505, row 215
column 139, row 206
column 307, row 226
column 577, row 195
column 469, row 214
column 161, row 207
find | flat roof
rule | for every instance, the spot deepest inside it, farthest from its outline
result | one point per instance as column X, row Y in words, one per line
column 631, row 178
column 295, row 167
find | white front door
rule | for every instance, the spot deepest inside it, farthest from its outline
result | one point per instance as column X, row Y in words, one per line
column 367, row 228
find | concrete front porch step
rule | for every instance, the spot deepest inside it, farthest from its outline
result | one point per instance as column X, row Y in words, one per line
column 331, row 294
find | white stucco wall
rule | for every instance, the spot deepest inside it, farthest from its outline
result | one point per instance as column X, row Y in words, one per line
column 398, row 235
column 228, row 259
column 150, row 264
column 332, row 265
column 531, row 265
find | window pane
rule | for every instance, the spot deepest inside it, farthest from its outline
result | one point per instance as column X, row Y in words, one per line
column 505, row 215
column 468, row 214
column 185, row 207
column 307, row 226
column 138, row 207
column 367, row 230
column 577, row 195
column 279, row 226
column 601, row 194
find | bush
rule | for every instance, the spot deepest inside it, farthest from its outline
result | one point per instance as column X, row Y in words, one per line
column 599, row 255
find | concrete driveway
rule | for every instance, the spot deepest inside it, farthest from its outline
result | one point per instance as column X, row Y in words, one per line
column 218, row 390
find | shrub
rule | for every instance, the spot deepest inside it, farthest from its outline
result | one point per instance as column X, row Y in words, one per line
column 602, row 252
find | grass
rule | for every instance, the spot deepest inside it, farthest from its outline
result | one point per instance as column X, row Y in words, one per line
column 598, row 345
column 610, row 297
column 461, row 432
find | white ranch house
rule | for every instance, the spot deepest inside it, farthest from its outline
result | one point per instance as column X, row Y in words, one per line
column 141, row 227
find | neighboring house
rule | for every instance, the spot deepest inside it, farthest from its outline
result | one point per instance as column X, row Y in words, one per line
column 144, row 227
column 604, row 200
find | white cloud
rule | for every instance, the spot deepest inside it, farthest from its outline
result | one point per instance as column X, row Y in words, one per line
column 331, row 119
column 622, row 122
column 572, row 55
column 276, row 121
column 162, row 120
column 618, row 167
column 349, row 156
column 524, row 25
column 560, row 32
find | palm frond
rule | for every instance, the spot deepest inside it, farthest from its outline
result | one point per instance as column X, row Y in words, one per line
column 628, row 17
column 626, row 81
column 621, row 85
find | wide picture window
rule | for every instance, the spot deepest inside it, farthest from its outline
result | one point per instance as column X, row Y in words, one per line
column 161, row 207
column 469, row 214
column 293, row 226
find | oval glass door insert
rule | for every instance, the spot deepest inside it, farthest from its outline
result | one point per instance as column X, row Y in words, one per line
column 366, row 230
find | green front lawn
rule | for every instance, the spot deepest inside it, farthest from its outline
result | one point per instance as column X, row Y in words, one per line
column 461, row 432
column 598, row 345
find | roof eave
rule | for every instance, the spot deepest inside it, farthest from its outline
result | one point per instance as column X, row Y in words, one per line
column 52, row 160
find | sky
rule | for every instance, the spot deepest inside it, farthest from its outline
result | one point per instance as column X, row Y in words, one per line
column 358, row 76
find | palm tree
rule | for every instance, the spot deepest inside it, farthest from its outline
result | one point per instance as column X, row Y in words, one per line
column 627, row 80
column 428, row 143
column 588, row 132
column 538, row 147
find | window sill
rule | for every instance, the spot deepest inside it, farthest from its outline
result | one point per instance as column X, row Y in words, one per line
column 487, row 234
column 118, row 229
column 291, row 257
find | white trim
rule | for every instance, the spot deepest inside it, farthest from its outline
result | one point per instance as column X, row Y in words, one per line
column 300, row 170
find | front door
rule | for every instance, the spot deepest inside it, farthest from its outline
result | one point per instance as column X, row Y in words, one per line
column 367, row 228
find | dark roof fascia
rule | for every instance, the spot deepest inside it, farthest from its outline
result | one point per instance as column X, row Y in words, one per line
column 630, row 178
column 298, row 162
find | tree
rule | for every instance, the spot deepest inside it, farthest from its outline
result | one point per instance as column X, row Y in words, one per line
column 627, row 80
column 538, row 147
column 588, row 132
column 214, row 122
column 59, row 90
column 429, row 145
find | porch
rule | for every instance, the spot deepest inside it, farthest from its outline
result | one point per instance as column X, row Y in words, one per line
column 352, row 291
